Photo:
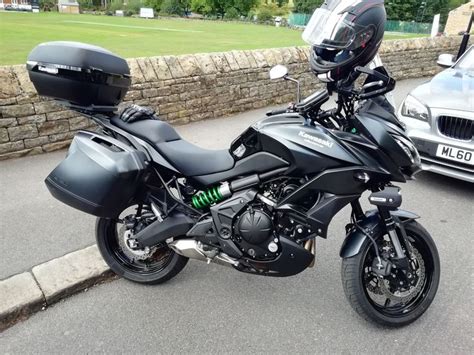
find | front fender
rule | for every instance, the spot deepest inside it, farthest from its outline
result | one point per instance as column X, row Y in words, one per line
column 372, row 223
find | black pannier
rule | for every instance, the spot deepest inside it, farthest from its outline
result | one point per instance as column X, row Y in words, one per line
column 99, row 176
column 79, row 75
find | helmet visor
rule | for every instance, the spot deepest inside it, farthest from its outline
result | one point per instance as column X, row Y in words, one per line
column 331, row 27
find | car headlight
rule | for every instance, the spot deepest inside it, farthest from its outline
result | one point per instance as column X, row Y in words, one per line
column 412, row 107
column 409, row 149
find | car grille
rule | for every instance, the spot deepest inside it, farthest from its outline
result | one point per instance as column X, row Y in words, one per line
column 456, row 127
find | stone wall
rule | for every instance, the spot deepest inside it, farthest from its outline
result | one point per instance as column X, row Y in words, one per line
column 189, row 88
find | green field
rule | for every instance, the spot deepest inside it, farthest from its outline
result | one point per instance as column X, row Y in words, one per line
column 134, row 37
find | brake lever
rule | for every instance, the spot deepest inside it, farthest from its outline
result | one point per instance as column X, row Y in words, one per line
column 372, row 94
column 372, row 84
column 364, row 70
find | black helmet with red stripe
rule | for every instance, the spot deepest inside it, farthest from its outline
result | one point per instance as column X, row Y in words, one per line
column 344, row 34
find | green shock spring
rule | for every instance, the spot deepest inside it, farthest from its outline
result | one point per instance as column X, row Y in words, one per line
column 207, row 198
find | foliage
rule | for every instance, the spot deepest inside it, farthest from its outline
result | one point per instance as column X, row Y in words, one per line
column 232, row 13
column 244, row 6
column 265, row 14
column 154, row 4
column 306, row 6
column 48, row 5
column 86, row 5
column 401, row 10
column 116, row 5
column 421, row 11
column 219, row 8
column 201, row 7
column 273, row 10
column 133, row 6
column 172, row 7
column 281, row 3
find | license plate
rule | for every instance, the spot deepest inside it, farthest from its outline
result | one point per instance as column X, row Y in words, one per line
column 460, row 155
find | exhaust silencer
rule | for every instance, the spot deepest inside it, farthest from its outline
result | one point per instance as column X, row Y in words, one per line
column 196, row 250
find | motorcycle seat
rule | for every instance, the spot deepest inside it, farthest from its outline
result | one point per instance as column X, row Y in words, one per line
column 188, row 158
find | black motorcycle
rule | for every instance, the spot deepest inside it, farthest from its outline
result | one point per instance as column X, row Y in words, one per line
column 257, row 207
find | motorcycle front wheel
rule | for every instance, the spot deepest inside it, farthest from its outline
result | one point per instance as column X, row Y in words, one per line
column 402, row 296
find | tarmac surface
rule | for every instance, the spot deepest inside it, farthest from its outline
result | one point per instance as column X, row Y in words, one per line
column 213, row 309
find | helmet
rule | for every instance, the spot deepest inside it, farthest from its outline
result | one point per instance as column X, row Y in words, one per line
column 344, row 34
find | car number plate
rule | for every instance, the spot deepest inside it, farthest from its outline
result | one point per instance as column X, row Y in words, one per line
column 460, row 155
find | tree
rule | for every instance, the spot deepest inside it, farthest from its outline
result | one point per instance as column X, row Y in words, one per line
column 155, row 4
column 404, row 10
column 265, row 14
column 420, row 10
column 306, row 6
column 200, row 7
column 243, row 6
column 232, row 13
column 48, row 5
column 175, row 7
column 218, row 7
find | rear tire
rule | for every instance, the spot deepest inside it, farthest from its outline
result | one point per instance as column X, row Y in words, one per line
column 170, row 263
column 353, row 274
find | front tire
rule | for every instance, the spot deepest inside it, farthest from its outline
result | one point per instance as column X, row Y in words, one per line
column 162, row 265
column 365, row 291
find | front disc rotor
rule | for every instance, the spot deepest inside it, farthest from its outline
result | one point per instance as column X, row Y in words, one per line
column 392, row 289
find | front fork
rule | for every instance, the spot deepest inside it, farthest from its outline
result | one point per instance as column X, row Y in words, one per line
column 390, row 225
column 387, row 201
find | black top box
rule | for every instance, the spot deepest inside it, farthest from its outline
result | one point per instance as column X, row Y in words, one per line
column 79, row 75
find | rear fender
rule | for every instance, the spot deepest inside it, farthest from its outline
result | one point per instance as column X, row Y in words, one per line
column 374, row 226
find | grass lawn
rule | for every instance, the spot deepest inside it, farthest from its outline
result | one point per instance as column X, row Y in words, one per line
column 133, row 37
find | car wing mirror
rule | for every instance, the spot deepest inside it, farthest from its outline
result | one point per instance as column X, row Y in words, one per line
column 278, row 71
column 446, row 60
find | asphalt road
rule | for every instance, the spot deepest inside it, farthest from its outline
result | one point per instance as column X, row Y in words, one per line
column 213, row 309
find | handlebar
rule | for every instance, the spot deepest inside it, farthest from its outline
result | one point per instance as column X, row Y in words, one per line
column 277, row 112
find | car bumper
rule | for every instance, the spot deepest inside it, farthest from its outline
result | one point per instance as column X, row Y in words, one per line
column 426, row 138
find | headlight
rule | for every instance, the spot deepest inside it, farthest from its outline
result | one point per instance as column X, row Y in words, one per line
column 409, row 149
column 415, row 109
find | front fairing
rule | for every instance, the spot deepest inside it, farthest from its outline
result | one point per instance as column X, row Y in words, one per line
column 380, row 127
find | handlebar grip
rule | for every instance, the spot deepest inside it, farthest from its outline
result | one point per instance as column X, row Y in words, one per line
column 276, row 112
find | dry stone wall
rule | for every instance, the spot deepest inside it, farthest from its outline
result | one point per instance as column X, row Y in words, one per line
column 189, row 88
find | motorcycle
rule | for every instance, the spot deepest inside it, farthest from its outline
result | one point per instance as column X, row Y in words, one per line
column 257, row 207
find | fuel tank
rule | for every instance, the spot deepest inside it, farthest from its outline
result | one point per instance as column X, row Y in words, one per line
column 309, row 149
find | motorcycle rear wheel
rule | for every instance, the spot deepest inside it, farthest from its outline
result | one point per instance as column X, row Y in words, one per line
column 363, row 292
column 162, row 265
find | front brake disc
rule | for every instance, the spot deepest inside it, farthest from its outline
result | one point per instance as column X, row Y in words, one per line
column 405, row 296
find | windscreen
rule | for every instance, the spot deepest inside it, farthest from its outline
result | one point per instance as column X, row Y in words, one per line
column 467, row 60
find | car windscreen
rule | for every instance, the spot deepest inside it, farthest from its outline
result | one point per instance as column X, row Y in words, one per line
column 467, row 60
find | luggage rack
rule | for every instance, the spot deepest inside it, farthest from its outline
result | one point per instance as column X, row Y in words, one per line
column 89, row 110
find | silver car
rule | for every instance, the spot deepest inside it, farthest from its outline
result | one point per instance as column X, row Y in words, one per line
column 439, row 118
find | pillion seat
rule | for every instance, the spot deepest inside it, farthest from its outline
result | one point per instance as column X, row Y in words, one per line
column 188, row 158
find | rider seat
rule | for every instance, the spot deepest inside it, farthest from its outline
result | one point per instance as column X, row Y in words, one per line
column 186, row 157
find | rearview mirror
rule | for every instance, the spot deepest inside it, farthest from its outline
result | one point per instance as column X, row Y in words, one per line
column 446, row 60
column 278, row 72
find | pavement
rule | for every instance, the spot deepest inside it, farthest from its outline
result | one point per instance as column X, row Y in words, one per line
column 213, row 309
